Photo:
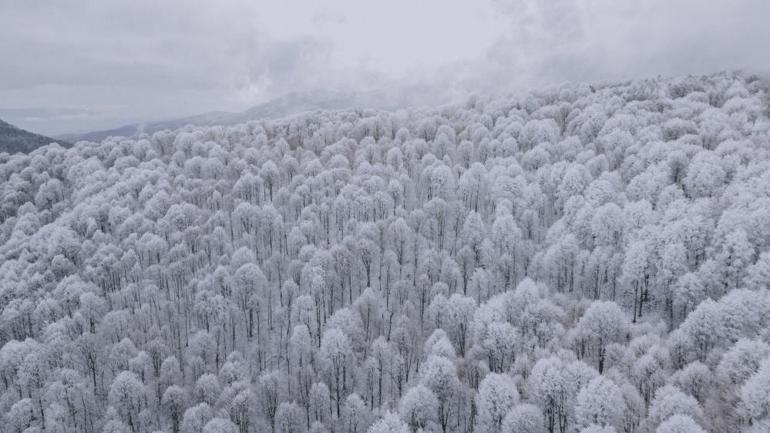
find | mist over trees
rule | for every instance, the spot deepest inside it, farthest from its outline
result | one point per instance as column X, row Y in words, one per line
column 583, row 259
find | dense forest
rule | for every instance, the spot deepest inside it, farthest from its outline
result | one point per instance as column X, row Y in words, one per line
column 584, row 258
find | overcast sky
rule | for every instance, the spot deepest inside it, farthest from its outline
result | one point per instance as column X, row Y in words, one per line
column 76, row 65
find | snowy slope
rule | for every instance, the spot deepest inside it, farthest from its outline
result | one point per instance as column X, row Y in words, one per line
column 580, row 259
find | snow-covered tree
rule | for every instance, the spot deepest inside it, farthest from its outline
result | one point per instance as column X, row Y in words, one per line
column 579, row 258
column 497, row 395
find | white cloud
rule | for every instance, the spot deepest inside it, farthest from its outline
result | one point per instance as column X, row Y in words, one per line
column 154, row 59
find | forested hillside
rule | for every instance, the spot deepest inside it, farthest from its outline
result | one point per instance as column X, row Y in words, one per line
column 585, row 258
column 13, row 139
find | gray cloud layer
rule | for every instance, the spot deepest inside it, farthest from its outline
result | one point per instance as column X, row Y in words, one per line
column 80, row 64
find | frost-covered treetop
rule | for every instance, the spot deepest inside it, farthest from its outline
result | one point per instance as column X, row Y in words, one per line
column 587, row 258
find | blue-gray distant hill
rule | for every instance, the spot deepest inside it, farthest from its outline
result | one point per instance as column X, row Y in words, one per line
column 16, row 140
column 292, row 103
column 289, row 104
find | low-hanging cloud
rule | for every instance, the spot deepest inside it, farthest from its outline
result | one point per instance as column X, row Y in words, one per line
column 577, row 40
column 149, row 60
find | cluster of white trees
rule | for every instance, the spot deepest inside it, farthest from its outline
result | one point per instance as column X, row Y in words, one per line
column 586, row 259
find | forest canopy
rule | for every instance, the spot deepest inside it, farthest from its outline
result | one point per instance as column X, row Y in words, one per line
column 584, row 258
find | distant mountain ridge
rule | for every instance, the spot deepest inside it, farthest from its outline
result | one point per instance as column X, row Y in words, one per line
column 276, row 108
column 14, row 139
column 293, row 103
